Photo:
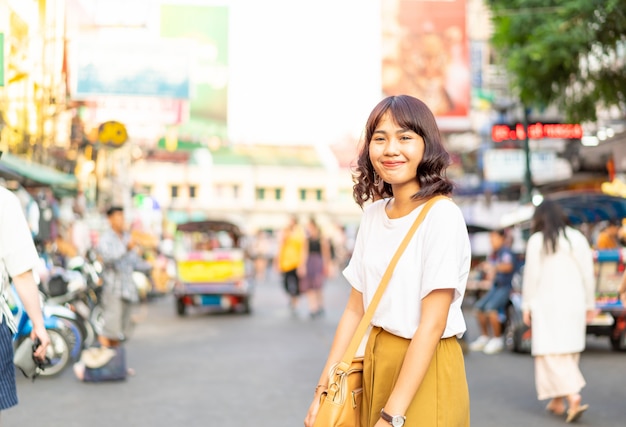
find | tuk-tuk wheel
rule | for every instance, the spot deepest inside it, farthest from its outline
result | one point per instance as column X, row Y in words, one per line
column 247, row 309
column 181, row 308
column 618, row 343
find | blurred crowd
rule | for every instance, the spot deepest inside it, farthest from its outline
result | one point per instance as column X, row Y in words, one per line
column 66, row 227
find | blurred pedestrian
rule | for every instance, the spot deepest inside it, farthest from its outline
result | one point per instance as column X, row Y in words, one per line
column 290, row 260
column 316, row 265
column 259, row 252
column 558, row 301
column 18, row 259
column 501, row 267
column 413, row 364
column 119, row 292
column 608, row 237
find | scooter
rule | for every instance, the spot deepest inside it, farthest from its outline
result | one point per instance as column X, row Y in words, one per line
column 58, row 352
column 68, row 297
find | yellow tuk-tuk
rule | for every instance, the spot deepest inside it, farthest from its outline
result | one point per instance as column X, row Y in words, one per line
column 212, row 271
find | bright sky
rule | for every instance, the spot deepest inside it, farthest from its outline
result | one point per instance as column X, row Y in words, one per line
column 301, row 71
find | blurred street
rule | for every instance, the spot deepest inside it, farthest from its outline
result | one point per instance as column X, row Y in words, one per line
column 261, row 369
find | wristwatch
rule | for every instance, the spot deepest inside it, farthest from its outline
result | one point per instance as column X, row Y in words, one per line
column 394, row 420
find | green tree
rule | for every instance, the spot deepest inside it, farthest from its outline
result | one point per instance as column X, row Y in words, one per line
column 568, row 53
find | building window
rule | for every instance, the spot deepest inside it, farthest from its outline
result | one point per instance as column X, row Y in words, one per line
column 235, row 191
column 192, row 191
column 302, row 194
column 278, row 193
column 260, row 193
column 318, row 195
column 174, row 191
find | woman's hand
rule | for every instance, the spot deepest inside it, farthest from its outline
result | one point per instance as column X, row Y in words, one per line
column 314, row 408
column 301, row 271
column 41, row 333
column 590, row 315
column 526, row 317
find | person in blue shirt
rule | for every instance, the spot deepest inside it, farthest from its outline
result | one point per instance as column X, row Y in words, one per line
column 501, row 266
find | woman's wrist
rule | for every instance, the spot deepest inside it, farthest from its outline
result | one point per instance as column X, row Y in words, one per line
column 322, row 387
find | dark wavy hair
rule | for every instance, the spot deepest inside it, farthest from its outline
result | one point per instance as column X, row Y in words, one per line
column 410, row 113
column 550, row 220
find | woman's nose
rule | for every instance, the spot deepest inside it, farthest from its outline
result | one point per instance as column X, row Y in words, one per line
column 391, row 147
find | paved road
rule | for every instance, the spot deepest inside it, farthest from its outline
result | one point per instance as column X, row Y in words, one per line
column 260, row 370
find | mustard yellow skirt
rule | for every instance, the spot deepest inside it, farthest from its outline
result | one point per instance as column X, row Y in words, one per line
column 443, row 397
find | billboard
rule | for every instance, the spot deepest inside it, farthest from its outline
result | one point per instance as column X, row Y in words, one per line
column 157, row 68
column 205, row 30
column 425, row 54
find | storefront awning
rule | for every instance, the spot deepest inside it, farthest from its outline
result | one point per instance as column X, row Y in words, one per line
column 31, row 174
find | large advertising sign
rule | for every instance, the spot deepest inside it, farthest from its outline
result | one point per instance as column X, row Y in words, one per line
column 205, row 30
column 425, row 54
column 156, row 69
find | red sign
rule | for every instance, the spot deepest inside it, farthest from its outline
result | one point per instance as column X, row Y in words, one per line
column 501, row 133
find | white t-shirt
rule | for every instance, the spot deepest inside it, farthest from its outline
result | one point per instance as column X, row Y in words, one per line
column 17, row 250
column 437, row 257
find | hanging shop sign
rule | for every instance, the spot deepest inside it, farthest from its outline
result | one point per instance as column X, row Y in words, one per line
column 112, row 134
column 538, row 130
column 509, row 166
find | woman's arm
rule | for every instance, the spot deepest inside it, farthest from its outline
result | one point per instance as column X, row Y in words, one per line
column 26, row 288
column 531, row 275
column 348, row 323
column 326, row 258
column 435, row 308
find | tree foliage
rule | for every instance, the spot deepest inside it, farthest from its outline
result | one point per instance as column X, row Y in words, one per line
column 568, row 53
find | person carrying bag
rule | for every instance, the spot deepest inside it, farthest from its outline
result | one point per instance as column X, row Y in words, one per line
column 413, row 372
column 341, row 401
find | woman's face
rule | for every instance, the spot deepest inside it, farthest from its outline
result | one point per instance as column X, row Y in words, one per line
column 395, row 154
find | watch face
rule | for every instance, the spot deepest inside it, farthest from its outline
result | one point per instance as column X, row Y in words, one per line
column 397, row 421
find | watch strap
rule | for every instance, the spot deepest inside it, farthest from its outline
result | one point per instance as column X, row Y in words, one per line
column 385, row 416
column 390, row 418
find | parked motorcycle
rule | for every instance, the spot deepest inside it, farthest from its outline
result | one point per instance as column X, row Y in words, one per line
column 59, row 350
column 69, row 297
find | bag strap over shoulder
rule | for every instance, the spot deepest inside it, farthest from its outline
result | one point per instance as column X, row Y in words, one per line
column 369, row 313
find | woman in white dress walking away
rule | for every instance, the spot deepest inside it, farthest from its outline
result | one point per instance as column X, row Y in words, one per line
column 558, row 300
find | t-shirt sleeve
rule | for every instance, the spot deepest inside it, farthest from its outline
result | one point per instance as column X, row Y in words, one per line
column 17, row 248
column 354, row 270
column 446, row 258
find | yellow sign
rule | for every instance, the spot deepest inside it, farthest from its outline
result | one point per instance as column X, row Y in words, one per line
column 112, row 133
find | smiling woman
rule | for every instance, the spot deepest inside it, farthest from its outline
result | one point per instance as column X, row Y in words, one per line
column 413, row 368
